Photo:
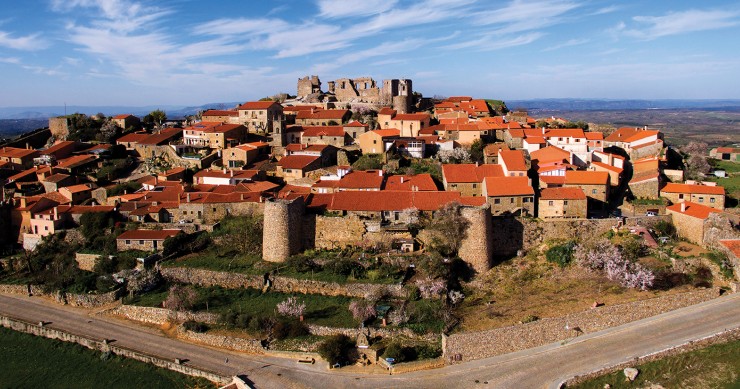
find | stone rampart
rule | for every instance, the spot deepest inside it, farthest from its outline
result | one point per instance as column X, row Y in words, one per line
column 227, row 280
column 477, row 345
column 161, row 316
column 102, row 345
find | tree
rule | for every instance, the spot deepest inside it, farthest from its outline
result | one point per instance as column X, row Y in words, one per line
column 158, row 117
column 336, row 349
column 695, row 156
column 456, row 155
column 451, row 227
column 291, row 307
column 602, row 255
column 560, row 254
column 362, row 310
column 181, row 298
column 476, row 151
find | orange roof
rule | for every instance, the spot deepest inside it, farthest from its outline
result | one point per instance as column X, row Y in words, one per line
column 219, row 173
column 550, row 154
column 607, row 167
column 582, row 177
column 164, row 135
column 296, row 108
column 565, row 133
column 387, row 133
column 216, row 112
column 421, row 182
column 368, row 179
column 77, row 188
column 355, row 124
column 492, row 149
column 562, row 194
column 328, row 114
column 14, row 152
column 508, row 186
column 732, row 245
column 513, row 159
column 692, row 209
column 297, row 161
column 458, row 99
column 468, row 172
column 257, row 105
column 387, row 200
column 593, row 135
column 135, row 137
column 538, row 140
column 693, row 189
column 323, row 130
column 553, row 180
column 122, row 116
column 387, row 111
column 728, row 150
column 411, row 116
column 626, row 134
column 75, row 161
column 252, row 145
column 641, row 135
column 148, row 234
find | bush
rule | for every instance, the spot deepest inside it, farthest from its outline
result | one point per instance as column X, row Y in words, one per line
column 561, row 254
column 336, row 349
column 664, row 228
column 195, row 326
column 284, row 329
column 400, row 353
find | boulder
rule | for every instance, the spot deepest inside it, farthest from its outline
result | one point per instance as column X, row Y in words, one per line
column 631, row 373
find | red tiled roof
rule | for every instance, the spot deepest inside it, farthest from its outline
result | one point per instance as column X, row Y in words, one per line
column 148, row 234
column 219, row 173
column 135, row 137
column 457, row 99
column 412, row 116
column 553, row 180
column 387, row 133
column 581, row 177
column 296, row 108
column 732, row 244
column 216, row 112
column 692, row 209
column 694, row 189
column 472, row 201
column 122, row 116
column 369, row 179
column 252, row 145
column 624, row 134
column 257, row 105
column 594, row 135
column 77, row 188
column 468, row 172
column 14, row 152
column 422, row 182
column 324, row 114
column 565, row 133
column 550, row 154
column 513, row 159
column 390, row 200
column 508, row 186
column 387, row 111
column 163, row 136
column 355, row 124
column 562, row 194
column 642, row 135
column 337, row 131
column 608, row 167
column 297, row 161
column 728, row 150
column 75, row 161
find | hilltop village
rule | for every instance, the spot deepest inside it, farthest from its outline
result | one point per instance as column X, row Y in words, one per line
column 417, row 202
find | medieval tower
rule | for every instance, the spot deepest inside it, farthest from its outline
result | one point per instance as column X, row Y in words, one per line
column 477, row 247
column 282, row 232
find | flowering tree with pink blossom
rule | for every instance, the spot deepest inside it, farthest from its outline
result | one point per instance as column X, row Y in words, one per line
column 602, row 255
column 362, row 310
column 431, row 288
column 291, row 307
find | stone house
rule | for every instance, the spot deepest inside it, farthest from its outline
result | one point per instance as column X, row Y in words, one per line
column 60, row 150
column 594, row 184
column 615, row 173
column 290, row 111
column 572, row 140
column 512, row 162
column 126, row 121
column 378, row 141
column 325, row 135
column 327, row 153
column 637, row 142
column 214, row 135
column 468, row 133
column 53, row 182
column 467, row 178
column 509, row 195
column 129, row 141
column 149, row 146
column 294, row 167
column 76, row 193
column 409, row 124
column 706, row 193
column 490, row 152
column 210, row 207
column 646, row 186
column 562, row 203
column 726, row 153
column 77, row 164
column 225, row 176
column 689, row 218
column 244, row 154
column 220, row 116
column 261, row 116
column 355, row 129
column 18, row 158
column 323, row 117
column 144, row 240
column 595, row 140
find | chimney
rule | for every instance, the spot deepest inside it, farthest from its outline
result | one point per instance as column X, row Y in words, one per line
column 543, row 131
column 56, row 213
column 402, row 179
column 644, row 128
column 125, row 191
column 224, row 170
column 476, row 163
column 683, row 207
column 156, row 180
column 231, row 172
column 188, row 197
column 380, row 173
column 242, row 196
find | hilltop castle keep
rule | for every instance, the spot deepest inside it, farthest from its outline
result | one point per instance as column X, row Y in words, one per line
column 394, row 93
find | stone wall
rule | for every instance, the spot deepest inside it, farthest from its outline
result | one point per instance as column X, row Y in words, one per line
column 629, row 209
column 252, row 346
column 688, row 227
column 77, row 300
column 161, row 316
column 477, row 247
column 484, row 344
column 86, row 261
column 283, row 222
column 424, row 364
column 337, row 232
column 647, row 189
column 227, row 280
column 103, row 346
column 371, row 332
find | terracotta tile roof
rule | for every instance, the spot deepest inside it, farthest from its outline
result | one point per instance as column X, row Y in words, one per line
column 77, row 188
column 422, row 182
column 535, row 140
column 562, row 194
column 297, row 161
column 508, row 186
column 608, row 167
column 553, row 180
column 369, row 179
column 646, row 176
column 355, row 123
column 472, row 201
column 693, row 189
column 58, row 177
column 642, row 135
column 257, row 105
column 324, row 114
column 122, row 116
column 513, row 159
column 296, row 108
column 692, row 209
column 390, row 200
column 59, row 146
column 163, row 136
column 387, row 133
column 645, row 165
column 565, row 133
column 468, row 172
column 56, row 197
column 458, row 99
column 337, row 131
column 387, row 111
column 445, row 105
column 412, row 116
column 28, row 174
column 626, row 134
column 659, row 141
column 14, row 152
column 729, row 150
column 550, row 154
column 581, row 177
column 252, row 145
column 219, row 173
column 732, row 244
column 223, row 128
column 492, row 149
column 174, row 170
column 594, row 135
column 76, row 160
column 148, row 234
column 216, row 112
column 135, row 137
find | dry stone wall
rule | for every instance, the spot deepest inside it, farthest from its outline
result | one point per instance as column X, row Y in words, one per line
column 86, row 261
column 477, row 345
column 251, row 346
column 161, row 316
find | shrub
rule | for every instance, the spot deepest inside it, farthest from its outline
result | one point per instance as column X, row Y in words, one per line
column 291, row 307
column 530, row 319
column 665, row 228
column 362, row 310
column 284, row 329
column 336, row 349
column 561, row 254
column 398, row 352
column 195, row 326
column 181, row 298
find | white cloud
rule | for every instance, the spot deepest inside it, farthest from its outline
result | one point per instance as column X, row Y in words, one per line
column 26, row 43
column 347, row 8
column 10, row 60
column 606, row 10
column 568, row 43
column 491, row 42
column 520, row 15
column 673, row 23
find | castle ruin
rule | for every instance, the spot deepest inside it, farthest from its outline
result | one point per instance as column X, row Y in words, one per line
column 394, row 93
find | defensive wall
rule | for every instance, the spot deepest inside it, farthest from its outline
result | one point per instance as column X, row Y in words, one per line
column 470, row 346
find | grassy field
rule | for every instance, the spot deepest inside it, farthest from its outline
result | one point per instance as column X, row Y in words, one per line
column 716, row 366
column 29, row 361
column 731, row 183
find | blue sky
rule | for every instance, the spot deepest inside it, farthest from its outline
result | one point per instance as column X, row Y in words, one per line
column 191, row 52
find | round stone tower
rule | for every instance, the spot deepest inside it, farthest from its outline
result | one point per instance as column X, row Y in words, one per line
column 282, row 232
column 477, row 247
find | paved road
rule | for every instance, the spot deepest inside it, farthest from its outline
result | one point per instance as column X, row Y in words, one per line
column 544, row 366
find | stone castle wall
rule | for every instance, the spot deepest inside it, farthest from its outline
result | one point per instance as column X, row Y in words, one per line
column 484, row 344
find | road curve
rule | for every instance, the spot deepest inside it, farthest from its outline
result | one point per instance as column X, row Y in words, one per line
column 544, row 366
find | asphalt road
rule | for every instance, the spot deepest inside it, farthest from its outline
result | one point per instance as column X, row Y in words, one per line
column 544, row 366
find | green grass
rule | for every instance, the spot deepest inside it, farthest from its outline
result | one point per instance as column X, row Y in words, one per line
column 716, row 366
column 29, row 361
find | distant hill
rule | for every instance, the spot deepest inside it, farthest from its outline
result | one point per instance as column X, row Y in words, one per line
column 10, row 128
column 605, row 104
column 45, row 112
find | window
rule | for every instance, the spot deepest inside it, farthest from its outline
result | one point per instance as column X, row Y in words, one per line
column 475, row 186
column 593, row 191
column 497, row 201
column 680, row 196
column 711, row 199
column 551, row 203
column 701, row 199
column 512, row 200
column 141, row 242
column 375, row 141
column 128, row 241
column 565, row 202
